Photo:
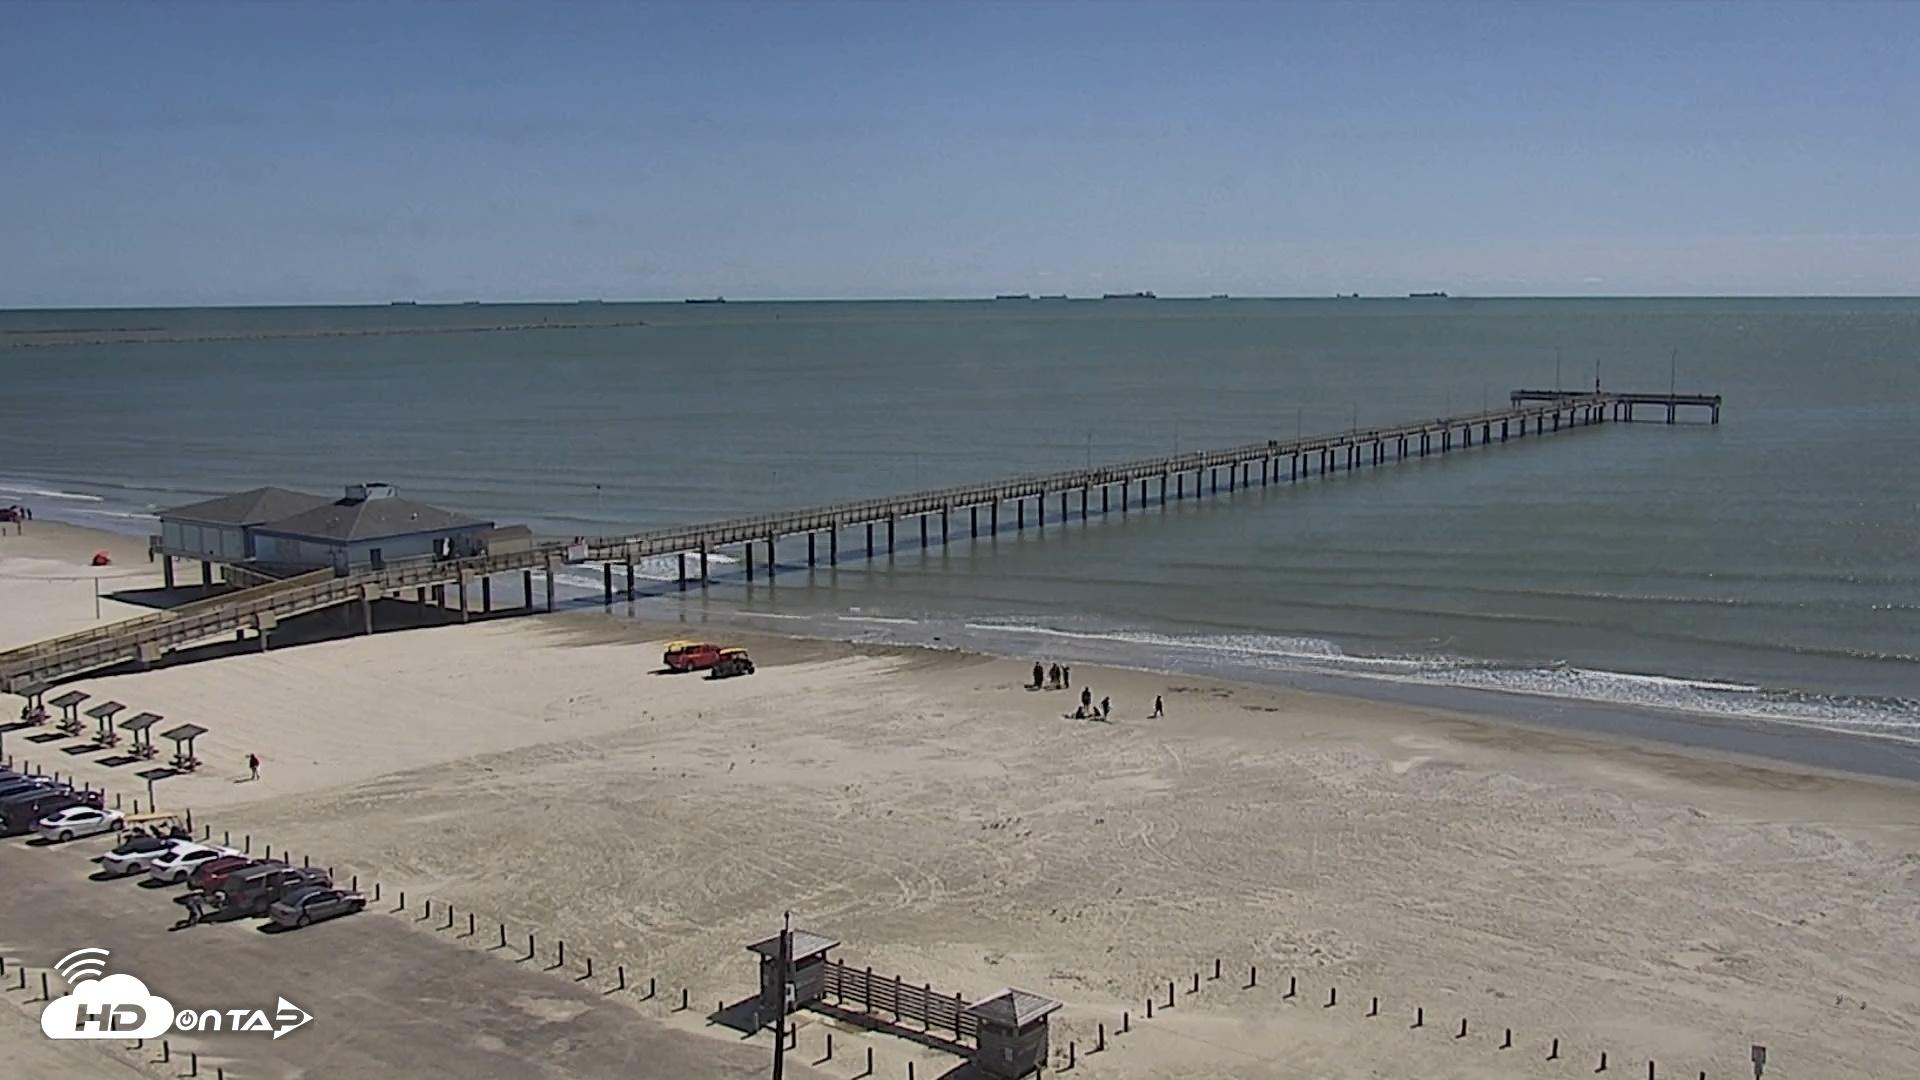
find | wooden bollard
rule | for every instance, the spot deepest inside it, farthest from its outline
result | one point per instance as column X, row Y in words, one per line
column 23, row 978
column 1100, row 1041
column 166, row 1051
column 1196, row 983
column 1420, row 1016
column 306, row 862
column 1507, row 1043
column 1293, row 984
column 1603, row 1062
column 472, row 925
column 589, row 973
column 44, row 996
column 1216, row 967
column 376, row 892
column 269, row 852
column 226, row 838
column 529, row 945
column 449, row 925
column 650, row 986
column 194, row 1057
column 1253, row 976
column 1463, row 1028
column 1169, row 993
column 1554, row 1054
column 354, row 886
column 909, row 1070
column 1650, row 1071
column 403, row 901
column 869, row 1071
column 1126, row 1023
column 503, row 935
column 1073, row 1054
column 829, row 1056
column 428, row 913
column 1333, row 996
column 621, row 970
column 563, row 955
column 1149, row 1003
column 1374, row 1009
column 246, row 842
column 683, row 999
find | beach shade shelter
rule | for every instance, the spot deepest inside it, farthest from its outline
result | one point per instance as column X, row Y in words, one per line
column 140, row 727
column 182, row 738
column 103, row 715
column 1012, row 1039
column 35, row 710
column 807, row 976
column 69, row 706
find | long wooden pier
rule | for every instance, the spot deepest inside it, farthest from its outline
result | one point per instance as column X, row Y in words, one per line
column 1027, row 500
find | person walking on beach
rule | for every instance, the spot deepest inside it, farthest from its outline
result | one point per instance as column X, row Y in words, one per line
column 1158, row 709
column 253, row 765
column 1039, row 673
column 1053, row 676
column 1086, row 698
column 1106, row 708
column 1066, row 677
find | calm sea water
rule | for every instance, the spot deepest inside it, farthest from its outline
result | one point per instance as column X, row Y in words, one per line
column 1765, row 567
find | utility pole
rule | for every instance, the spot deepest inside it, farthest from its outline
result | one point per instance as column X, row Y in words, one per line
column 785, row 972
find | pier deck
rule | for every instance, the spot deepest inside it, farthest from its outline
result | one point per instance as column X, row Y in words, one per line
column 1102, row 489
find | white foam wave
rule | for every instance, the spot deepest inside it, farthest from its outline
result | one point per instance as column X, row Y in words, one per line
column 879, row 619
column 1311, row 655
column 43, row 493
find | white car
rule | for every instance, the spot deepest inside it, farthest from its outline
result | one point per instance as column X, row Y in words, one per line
column 79, row 821
column 175, row 865
column 135, row 856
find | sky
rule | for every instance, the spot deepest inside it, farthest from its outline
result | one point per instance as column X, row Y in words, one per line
column 182, row 154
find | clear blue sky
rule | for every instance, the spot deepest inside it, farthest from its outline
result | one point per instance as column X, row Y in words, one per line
column 168, row 153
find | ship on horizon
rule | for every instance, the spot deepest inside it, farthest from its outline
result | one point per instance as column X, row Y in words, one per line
column 1014, row 296
column 706, row 300
column 1427, row 296
column 1128, row 296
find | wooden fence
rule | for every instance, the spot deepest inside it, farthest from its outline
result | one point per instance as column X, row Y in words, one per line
column 892, row 996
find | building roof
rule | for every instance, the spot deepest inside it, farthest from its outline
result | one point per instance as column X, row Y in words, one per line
column 805, row 944
column 256, row 507
column 1012, row 1008
column 369, row 519
column 142, row 722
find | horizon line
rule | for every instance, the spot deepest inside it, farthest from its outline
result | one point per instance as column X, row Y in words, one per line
column 1008, row 299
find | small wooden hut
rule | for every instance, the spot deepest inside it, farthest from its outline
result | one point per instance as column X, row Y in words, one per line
column 1012, row 1039
column 808, row 974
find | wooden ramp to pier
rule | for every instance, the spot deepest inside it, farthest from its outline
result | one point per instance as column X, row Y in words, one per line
column 1531, row 414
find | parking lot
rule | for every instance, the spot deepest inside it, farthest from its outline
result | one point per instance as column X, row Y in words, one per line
column 388, row 998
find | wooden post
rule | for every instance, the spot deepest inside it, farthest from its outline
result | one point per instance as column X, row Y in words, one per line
column 811, row 536
column 629, row 578
column 747, row 549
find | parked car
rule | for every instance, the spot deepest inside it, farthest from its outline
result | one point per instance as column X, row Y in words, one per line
column 208, row 875
column 22, row 812
column 254, row 891
column 137, row 855
column 175, row 865
column 310, row 905
column 10, row 788
column 690, row 655
column 79, row 821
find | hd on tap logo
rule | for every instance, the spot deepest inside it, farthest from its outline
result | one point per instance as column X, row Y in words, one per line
column 119, row 1006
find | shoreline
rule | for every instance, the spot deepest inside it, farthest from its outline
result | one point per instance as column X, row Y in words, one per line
column 1773, row 741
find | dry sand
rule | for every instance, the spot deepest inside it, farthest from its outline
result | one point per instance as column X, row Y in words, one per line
column 950, row 826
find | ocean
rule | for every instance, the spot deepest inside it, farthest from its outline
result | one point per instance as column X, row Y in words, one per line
column 1764, row 569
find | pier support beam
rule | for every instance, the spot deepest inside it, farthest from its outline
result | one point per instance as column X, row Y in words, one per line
column 682, row 558
column 166, row 570
column 464, row 615
column 993, row 517
column 206, row 574
column 486, row 595
column 1020, row 515
column 1179, row 487
column 973, row 522
column 923, row 531
column 629, row 577
column 1083, row 502
column 1105, row 491
column 869, row 539
column 705, row 565
column 833, row 546
column 549, row 588
column 773, row 560
column 746, row 550
column 945, row 529
column 606, row 582
column 526, row 587
column 811, row 537
column 889, row 534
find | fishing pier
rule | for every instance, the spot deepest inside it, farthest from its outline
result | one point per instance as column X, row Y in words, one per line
column 1019, row 503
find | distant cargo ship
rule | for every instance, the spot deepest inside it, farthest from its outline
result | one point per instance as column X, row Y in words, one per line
column 1014, row 296
column 403, row 303
column 706, row 300
column 1426, row 296
column 1053, row 296
column 1128, row 296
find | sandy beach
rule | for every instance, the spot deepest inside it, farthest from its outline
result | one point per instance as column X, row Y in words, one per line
column 949, row 825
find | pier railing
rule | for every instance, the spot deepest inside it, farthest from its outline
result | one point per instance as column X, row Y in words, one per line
column 260, row 607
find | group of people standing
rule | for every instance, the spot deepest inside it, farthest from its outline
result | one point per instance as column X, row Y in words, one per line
column 1060, row 677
